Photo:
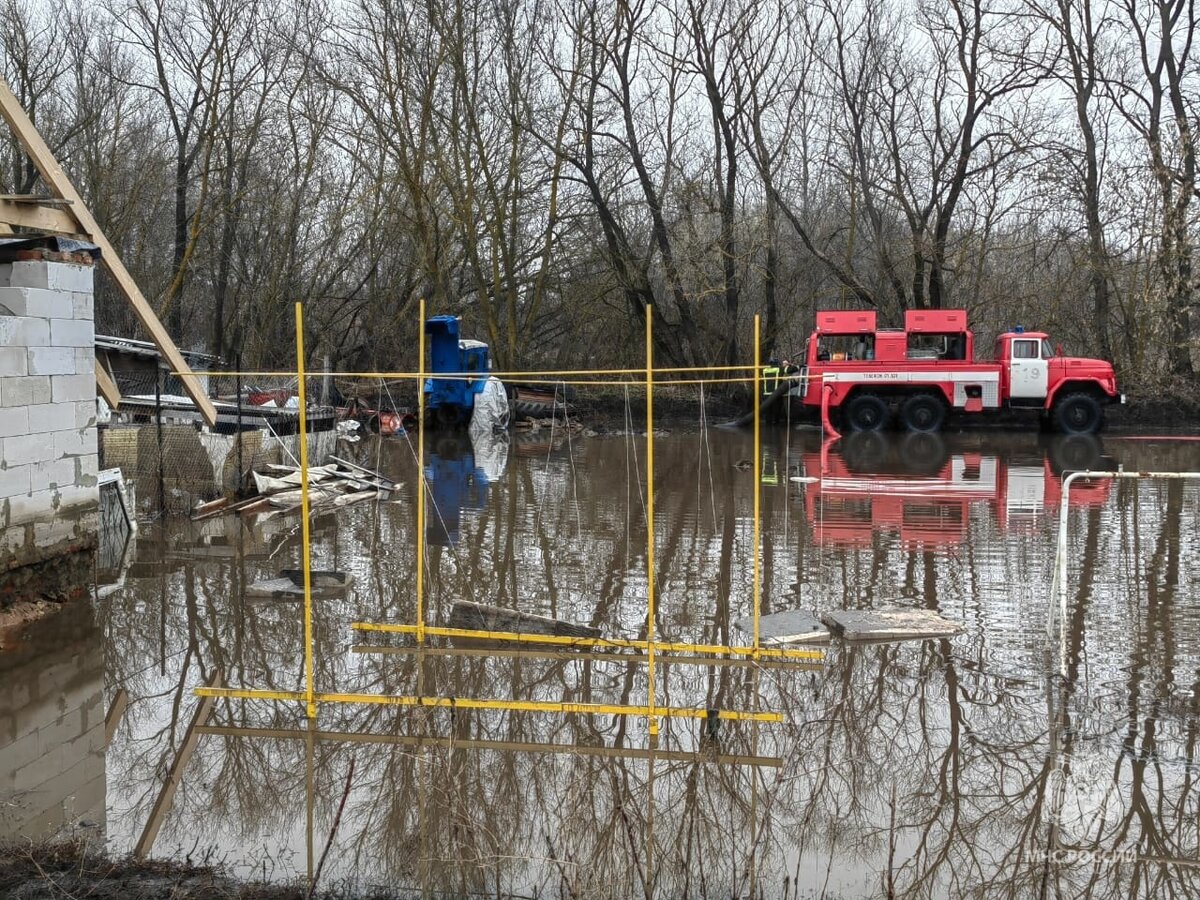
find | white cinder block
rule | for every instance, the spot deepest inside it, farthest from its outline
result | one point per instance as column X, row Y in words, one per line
column 34, row 273
column 70, row 277
column 85, row 361
column 13, row 361
column 87, row 468
column 24, row 331
column 50, row 417
column 72, row 333
column 85, row 414
column 74, row 442
column 52, row 361
column 83, row 305
column 25, row 448
column 27, row 391
column 5, row 274
column 28, row 301
column 22, row 509
column 14, row 481
column 72, row 388
column 14, row 421
column 59, row 473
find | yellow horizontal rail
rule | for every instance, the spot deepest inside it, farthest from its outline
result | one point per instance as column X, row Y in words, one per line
column 682, row 370
column 535, row 706
column 610, row 643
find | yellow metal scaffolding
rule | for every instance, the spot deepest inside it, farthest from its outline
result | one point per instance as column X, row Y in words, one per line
column 648, row 650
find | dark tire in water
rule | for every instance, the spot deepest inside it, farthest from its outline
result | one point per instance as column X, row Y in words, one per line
column 867, row 412
column 1075, row 453
column 923, row 413
column 923, row 453
column 865, row 452
column 1078, row 413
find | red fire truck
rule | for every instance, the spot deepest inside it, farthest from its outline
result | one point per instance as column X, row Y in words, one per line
column 865, row 377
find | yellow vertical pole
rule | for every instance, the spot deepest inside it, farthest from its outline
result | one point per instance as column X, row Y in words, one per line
column 421, row 474
column 757, row 589
column 650, row 516
column 304, row 535
column 310, row 794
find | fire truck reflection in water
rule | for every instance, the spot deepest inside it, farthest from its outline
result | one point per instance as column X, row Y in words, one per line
column 916, row 488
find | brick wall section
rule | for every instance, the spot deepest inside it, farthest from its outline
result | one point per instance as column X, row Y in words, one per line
column 48, row 460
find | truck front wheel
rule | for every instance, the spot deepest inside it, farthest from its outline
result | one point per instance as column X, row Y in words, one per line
column 1078, row 413
column 867, row 412
column 923, row 413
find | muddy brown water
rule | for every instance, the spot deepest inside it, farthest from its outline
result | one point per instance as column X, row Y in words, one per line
column 945, row 768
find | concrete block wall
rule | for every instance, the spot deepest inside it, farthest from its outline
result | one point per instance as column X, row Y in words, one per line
column 48, row 457
column 52, row 765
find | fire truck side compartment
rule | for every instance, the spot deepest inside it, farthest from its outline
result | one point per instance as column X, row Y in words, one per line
column 935, row 321
column 839, row 322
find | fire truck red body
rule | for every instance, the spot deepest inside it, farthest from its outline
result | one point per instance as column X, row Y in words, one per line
column 868, row 377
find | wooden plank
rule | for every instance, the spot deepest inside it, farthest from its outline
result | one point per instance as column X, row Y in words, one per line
column 44, row 199
column 381, row 478
column 115, row 711
column 889, row 624
column 58, row 182
column 107, row 387
column 166, row 797
column 40, row 218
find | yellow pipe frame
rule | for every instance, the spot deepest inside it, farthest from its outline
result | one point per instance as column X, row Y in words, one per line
column 757, row 549
column 650, row 518
column 650, row 647
column 306, row 557
column 421, row 476
column 532, row 706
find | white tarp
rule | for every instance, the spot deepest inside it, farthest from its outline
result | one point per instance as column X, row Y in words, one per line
column 490, row 414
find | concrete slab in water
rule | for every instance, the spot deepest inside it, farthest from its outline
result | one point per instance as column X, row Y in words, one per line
column 889, row 624
column 789, row 627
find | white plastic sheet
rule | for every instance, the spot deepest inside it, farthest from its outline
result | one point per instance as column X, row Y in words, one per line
column 490, row 414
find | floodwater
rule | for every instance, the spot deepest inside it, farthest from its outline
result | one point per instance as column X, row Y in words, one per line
column 954, row 767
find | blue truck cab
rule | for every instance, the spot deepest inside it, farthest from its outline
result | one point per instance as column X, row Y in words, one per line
column 451, row 400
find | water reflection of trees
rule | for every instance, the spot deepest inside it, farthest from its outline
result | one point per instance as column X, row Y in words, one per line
column 921, row 770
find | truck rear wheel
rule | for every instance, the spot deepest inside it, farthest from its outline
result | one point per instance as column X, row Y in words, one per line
column 1078, row 413
column 867, row 412
column 923, row 413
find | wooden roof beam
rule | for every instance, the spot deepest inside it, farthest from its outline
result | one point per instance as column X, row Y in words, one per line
column 51, row 219
column 58, row 182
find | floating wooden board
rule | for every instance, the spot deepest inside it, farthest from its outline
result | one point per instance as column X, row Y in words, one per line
column 287, row 589
column 789, row 627
column 481, row 617
column 889, row 624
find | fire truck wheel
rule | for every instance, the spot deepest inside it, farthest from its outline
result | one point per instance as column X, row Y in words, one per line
column 923, row 413
column 867, row 412
column 1078, row 413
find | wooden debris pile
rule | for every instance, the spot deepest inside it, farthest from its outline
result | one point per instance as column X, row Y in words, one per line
column 336, row 484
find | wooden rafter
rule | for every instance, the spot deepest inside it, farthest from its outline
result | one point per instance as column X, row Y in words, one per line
column 68, row 209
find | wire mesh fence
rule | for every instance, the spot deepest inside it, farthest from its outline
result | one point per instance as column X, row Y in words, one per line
column 158, row 440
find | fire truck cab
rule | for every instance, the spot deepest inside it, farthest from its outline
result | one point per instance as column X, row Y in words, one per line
column 869, row 377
